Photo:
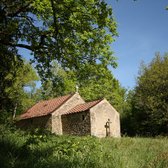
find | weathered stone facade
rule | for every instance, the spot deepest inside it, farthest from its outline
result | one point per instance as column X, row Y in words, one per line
column 56, row 116
column 99, row 116
column 74, row 116
column 43, row 122
column 76, row 123
column 93, row 121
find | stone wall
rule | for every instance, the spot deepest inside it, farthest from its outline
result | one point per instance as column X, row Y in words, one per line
column 99, row 116
column 43, row 122
column 76, row 123
column 56, row 118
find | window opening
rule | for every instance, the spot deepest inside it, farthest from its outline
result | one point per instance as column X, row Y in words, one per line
column 83, row 117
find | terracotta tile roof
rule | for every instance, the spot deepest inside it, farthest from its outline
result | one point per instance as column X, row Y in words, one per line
column 82, row 107
column 45, row 107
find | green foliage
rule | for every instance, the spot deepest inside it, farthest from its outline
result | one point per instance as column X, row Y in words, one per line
column 14, row 97
column 150, row 101
column 71, row 32
column 128, row 124
column 21, row 149
column 95, row 81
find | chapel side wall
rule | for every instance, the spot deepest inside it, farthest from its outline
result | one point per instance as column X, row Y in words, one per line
column 43, row 122
column 99, row 115
column 56, row 116
column 76, row 123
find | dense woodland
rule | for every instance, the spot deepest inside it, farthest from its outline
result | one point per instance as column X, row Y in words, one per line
column 70, row 43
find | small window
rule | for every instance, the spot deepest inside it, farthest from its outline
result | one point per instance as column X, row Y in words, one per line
column 83, row 117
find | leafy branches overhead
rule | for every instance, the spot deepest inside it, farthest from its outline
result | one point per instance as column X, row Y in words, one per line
column 71, row 32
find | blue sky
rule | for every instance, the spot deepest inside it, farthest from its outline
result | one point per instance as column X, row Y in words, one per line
column 143, row 31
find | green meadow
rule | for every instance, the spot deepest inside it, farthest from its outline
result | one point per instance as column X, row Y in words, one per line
column 20, row 149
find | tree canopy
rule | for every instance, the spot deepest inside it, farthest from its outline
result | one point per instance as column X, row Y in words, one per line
column 13, row 80
column 150, row 101
column 71, row 32
column 94, row 82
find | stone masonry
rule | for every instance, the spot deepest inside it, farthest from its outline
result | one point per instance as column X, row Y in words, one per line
column 56, row 116
column 43, row 122
column 70, row 114
column 76, row 124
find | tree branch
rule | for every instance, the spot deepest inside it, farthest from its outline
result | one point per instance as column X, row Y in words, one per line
column 18, row 45
column 22, row 9
column 54, row 16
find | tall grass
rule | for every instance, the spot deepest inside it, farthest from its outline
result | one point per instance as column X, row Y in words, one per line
column 20, row 149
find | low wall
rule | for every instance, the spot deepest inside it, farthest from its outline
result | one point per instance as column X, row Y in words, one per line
column 43, row 122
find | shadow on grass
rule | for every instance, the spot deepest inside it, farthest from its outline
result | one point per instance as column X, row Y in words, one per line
column 30, row 154
column 14, row 156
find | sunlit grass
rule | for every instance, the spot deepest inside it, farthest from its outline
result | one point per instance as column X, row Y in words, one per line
column 21, row 149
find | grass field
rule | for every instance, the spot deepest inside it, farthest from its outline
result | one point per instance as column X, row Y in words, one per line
column 22, row 150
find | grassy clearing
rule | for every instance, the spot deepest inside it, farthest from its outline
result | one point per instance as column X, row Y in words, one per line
column 19, row 149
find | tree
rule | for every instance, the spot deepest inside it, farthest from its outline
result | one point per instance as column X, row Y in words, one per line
column 128, row 123
column 150, row 101
column 97, row 81
column 94, row 82
column 14, row 79
column 71, row 32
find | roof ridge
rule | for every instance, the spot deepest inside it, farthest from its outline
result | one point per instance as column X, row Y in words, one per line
column 46, row 101
column 97, row 101
column 70, row 95
column 60, row 99
column 83, row 108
